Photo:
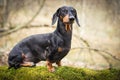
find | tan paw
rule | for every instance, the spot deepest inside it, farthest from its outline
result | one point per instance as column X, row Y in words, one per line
column 52, row 69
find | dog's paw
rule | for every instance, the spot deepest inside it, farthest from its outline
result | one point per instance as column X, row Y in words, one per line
column 52, row 69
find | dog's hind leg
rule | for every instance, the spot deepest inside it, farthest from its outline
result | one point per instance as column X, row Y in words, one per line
column 28, row 64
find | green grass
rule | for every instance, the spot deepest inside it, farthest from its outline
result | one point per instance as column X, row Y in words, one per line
column 61, row 73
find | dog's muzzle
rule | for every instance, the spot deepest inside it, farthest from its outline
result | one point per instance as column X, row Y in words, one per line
column 71, row 19
column 68, row 24
column 68, row 21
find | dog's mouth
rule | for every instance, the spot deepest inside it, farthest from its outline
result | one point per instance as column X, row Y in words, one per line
column 68, row 27
column 68, row 22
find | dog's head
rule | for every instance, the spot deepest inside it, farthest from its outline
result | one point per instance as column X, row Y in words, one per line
column 66, row 14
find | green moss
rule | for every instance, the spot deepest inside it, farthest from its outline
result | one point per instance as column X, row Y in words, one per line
column 61, row 73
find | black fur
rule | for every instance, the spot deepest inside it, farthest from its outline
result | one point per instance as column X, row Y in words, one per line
column 42, row 47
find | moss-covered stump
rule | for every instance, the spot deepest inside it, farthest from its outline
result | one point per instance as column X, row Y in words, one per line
column 61, row 73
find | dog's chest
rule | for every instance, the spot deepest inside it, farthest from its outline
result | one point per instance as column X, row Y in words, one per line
column 59, row 54
column 59, row 48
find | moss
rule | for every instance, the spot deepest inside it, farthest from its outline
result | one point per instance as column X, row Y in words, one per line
column 61, row 73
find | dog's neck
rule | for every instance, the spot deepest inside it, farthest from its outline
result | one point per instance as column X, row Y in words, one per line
column 61, row 31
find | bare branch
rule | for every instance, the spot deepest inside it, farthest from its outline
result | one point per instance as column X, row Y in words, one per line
column 97, row 50
column 20, row 27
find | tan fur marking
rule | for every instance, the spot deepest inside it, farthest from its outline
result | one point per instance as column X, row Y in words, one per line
column 66, row 18
column 67, row 27
column 58, row 63
column 50, row 67
column 59, row 49
column 23, row 55
column 27, row 64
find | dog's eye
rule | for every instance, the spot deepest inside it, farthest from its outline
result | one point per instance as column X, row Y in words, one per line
column 73, row 11
column 65, row 11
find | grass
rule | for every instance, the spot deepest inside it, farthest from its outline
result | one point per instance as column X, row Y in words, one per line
column 61, row 73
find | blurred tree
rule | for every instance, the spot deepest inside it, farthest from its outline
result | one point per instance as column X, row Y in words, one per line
column 99, row 20
column 2, row 12
column 12, row 6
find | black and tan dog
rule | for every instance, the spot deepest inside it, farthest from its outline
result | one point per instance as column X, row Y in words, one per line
column 51, row 47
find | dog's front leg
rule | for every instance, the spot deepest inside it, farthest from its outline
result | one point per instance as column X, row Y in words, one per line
column 50, row 67
column 58, row 63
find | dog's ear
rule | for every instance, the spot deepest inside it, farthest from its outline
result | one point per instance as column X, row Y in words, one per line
column 55, row 16
column 77, row 21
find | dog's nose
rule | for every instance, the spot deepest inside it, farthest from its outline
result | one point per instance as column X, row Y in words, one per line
column 71, row 18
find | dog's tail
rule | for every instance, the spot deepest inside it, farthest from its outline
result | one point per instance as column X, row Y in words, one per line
column 14, row 60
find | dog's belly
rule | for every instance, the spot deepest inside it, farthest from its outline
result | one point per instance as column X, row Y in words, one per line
column 35, row 57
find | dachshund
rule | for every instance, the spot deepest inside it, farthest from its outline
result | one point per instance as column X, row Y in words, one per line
column 50, row 47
